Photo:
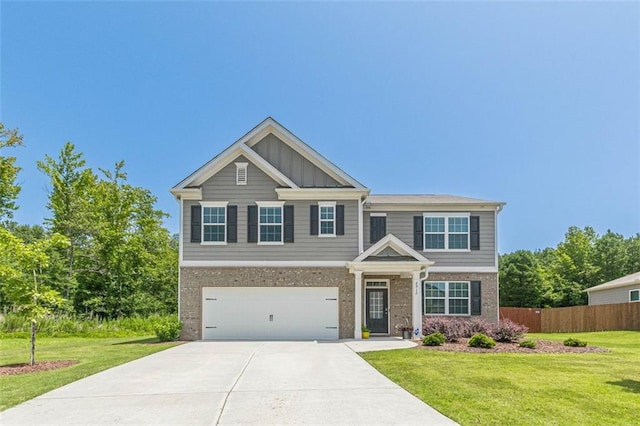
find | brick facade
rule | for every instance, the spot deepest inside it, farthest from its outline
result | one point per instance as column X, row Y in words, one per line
column 400, row 297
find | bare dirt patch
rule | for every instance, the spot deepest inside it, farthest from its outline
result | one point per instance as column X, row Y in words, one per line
column 542, row 346
column 25, row 368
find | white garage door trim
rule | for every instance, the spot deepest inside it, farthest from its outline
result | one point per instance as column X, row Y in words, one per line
column 270, row 313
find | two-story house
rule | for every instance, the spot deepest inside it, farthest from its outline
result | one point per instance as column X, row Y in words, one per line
column 276, row 242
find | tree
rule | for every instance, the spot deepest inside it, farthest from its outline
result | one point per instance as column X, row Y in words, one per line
column 521, row 282
column 71, row 184
column 9, row 190
column 21, row 271
column 610, row 257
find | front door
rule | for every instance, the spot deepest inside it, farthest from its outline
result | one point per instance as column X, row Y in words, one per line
column 378, row 310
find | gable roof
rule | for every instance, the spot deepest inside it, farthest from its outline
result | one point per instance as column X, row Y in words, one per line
column 619, row 282
column 396, row 244
column 243, row 147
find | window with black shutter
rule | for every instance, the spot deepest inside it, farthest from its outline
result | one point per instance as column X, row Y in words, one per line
column 252, row 224
column 232, row 224
column 196, row 223
column 377, row 228
column 288, row 224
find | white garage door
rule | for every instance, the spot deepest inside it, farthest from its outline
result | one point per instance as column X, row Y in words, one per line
column 270, row 313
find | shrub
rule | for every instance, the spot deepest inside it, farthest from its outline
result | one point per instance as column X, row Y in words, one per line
column 168, row 329
column 477, row 325
column 528, row 344
column 508, row 331
column 481, row 341
column 433, row 339
column 575, row 343
column 451, row 328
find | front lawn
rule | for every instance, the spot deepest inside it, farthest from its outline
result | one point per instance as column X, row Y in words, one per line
column 525, row 389
column 93, row 355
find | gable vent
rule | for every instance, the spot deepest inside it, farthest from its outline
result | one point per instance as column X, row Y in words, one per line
column 241, row 173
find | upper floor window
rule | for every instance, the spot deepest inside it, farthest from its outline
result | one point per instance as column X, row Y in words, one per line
column 449, row 231
column 241, row 173
column 214, row 222
column 327, row 220
column 270, row 223
column 446, row 298
column 634, row 296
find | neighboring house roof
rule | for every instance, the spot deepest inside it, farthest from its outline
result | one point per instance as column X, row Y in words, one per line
column 620, row 282
column 242, row 147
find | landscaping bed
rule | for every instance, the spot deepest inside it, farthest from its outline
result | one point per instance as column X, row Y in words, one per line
column 542, row 346
column 24, row 368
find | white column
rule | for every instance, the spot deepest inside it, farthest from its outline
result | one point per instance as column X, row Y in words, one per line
column 357, row 295
column 416, row 303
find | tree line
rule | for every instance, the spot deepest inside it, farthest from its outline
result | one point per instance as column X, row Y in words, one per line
column 556, row 277
column 101, row 252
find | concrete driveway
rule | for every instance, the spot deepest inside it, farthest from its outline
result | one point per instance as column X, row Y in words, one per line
column 233, row 383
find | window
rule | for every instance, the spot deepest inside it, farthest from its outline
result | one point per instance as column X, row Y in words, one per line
column 327, row 222
column 270, row 223
column 446, row 298
column 634, row 296
column 241, row 173
column 446, row 232
column 214, row 223
column 377, row 227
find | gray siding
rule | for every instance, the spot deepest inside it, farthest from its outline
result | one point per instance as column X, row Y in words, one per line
column 260, row 187
column 400, row 224
column 612, row 295
column 293, row 165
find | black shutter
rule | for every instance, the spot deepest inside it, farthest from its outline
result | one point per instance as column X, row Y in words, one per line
column 313, row 220
column 288, row 224
column 378, row 228
column 339, row 219
column 252, row 224
column 418, row 235
column 232, row 224
column 475, row 232
column 196, row 224
column 476, row 299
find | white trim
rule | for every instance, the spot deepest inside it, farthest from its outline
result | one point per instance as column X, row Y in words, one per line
column 214, row 203
column 429, row 208
column 263, row 263
column 387, row 287
column 357, row 295
column 631, row 291
column 416, row 304
column 468, row 269
column 181, row 235
column 271, row 204
column 447, row 298
column 396, row 244
column 321, row 193
column 242, row 167
column 187, row 193
column 360, row 227
column 374, row 214
column 322, row 204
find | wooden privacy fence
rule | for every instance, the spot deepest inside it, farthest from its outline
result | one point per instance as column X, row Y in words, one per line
column 574, row 319
column 531, row 317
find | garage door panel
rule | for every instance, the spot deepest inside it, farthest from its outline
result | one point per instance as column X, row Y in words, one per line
column 268, row 313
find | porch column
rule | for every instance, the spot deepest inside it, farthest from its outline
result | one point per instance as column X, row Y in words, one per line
column 416, row 304
column 357, row 295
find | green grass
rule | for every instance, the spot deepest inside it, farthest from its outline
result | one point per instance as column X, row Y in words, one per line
column 525, row 389
column 93, row 355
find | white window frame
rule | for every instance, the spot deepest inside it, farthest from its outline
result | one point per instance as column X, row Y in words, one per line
column 446, row 217
column 240, row 167
column 218, row 204
column 446, row 298
column 322, row 204
column 277, row 204
column 632, row 291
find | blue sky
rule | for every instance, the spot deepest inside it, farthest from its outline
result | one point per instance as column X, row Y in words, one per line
column 534, row 104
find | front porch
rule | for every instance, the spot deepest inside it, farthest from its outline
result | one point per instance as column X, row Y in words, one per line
column 387, row 288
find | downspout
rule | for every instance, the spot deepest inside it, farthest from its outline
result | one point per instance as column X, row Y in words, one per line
column 360, row 227
column 180, row 243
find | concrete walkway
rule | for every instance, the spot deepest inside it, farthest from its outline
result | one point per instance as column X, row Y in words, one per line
column 234, row 383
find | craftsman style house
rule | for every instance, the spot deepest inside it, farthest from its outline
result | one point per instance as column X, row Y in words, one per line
column 276, row 242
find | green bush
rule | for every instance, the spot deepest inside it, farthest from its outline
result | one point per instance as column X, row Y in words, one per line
column 528, row 344
column 480, row 340
column 168, row 329
column 433, row 339
column 575, row 343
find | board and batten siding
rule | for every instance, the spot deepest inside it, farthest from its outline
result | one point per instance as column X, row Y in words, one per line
column 612, row 295
column 293, row 165
column 400, row 224
column 260, row 187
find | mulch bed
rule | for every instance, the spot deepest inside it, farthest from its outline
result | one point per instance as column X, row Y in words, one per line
column 542, row 346
column 24, row 368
